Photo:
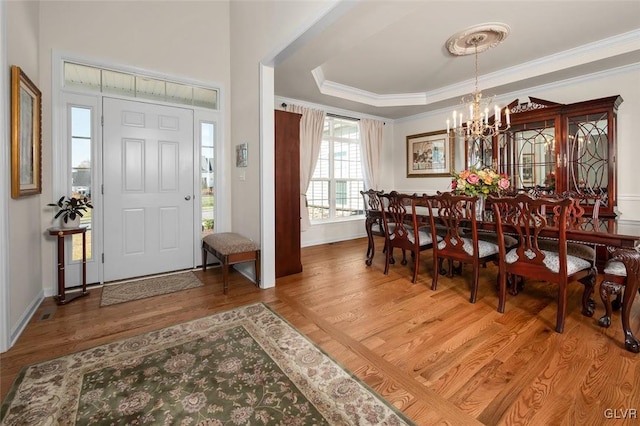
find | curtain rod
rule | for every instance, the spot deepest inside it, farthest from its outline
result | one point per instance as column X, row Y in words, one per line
column 330, row 114
column 284, row 105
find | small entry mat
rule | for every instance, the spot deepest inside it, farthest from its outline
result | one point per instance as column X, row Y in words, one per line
column 148, row 287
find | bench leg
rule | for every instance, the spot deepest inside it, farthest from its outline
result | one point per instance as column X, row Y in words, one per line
column 225, row 274
column 204, row 258
column 257, row 266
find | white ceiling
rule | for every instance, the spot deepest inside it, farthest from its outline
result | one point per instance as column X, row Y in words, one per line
column 389, row 59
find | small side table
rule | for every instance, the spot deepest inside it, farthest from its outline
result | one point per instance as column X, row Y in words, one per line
column 61, row 233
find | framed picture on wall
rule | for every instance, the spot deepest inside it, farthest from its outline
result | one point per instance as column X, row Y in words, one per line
column 430, row 154
column 26, row 143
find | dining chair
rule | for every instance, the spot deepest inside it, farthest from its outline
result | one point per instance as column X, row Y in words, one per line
column 523, row 216
column 456, row 213
column 403, row 228
column 373, row 220
column 575, row 219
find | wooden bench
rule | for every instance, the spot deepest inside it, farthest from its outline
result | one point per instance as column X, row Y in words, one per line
column 230, row 248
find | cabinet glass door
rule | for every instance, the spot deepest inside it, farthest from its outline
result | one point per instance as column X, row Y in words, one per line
column 587, row 157
column 480, row 153
column 528, row 155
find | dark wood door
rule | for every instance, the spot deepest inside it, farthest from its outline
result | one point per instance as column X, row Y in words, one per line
column 287, row 190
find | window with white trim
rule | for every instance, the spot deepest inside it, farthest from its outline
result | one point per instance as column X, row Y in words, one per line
column 334, row 190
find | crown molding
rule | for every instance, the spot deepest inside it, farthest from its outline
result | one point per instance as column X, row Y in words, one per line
column 507, row 97
column 602, row 49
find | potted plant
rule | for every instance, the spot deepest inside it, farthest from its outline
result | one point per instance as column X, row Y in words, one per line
column 71, row 209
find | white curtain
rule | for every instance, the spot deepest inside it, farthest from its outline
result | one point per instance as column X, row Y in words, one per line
column 311, row 127
column 371, row 139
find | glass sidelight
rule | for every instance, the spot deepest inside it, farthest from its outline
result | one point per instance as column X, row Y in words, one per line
column 81, row 172
column 207, row 176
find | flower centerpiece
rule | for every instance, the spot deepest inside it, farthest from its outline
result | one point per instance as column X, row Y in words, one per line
column 480, row 182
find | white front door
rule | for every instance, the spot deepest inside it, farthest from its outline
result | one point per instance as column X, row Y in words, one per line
column 148, row 189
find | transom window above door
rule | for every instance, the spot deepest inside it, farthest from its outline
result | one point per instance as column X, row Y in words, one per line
column 138, row 86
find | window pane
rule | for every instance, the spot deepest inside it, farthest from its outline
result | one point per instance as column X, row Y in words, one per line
column 348, row 198
column 347, row 160
column 150, row 88
column 318, row 199
column 81, row 172
column 322, row 165
column 206, row 98
column 346, row 129
column 118, row 83
column 179, row 93
column 81, row 76
column 207, row 153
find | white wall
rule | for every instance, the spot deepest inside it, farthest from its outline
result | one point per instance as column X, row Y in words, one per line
column 25, row 234
column 623, row 81
column 185, row 39
column 261, row 29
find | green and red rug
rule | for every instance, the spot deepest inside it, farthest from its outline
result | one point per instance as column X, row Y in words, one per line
column 247, row 366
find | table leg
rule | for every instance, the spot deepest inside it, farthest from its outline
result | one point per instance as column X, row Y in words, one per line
column 61, row 284
column 84, row 263
column 631, row 260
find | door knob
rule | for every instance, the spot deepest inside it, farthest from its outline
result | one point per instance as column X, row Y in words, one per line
column 188, row 197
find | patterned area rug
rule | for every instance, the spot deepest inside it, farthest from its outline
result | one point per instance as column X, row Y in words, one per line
column 240, row 367
column 141, row 289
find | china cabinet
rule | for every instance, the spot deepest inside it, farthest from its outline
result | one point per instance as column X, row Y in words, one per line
column 555, row 148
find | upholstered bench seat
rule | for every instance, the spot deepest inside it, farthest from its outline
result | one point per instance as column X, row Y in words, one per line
column 230, row 248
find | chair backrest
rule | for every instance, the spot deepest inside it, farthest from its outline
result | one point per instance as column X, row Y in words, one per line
column 537, row 191
column 371, row 199
column 422, row 209
column 455, row 213
column 576, row 217
column 575, row 212
column 523, row 216
column 399, row 219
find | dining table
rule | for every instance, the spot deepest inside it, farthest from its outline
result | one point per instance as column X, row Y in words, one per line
column 620, row 237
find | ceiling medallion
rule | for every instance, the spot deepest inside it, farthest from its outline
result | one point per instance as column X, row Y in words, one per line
column 477, row 39
column 478, row 125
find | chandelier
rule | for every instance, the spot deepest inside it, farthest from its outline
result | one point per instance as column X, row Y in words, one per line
column 478, row 124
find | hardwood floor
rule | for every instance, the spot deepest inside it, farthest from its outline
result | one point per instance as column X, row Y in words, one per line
column 434, row 355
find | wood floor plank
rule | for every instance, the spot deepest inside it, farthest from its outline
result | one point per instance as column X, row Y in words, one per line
column 432, row 354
